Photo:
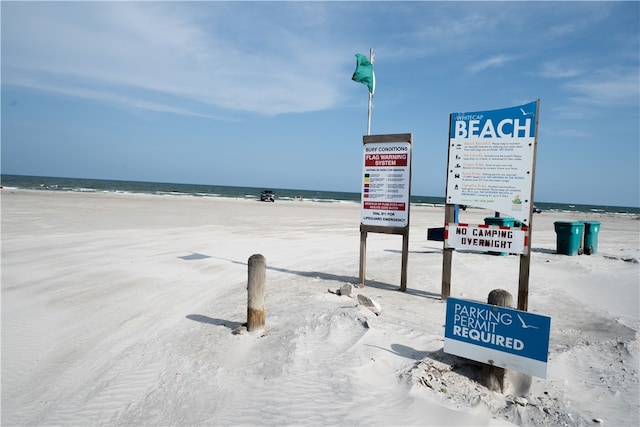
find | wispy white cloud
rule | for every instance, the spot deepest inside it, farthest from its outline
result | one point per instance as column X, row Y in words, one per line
column 169, row 50
column 571, row 111
column 565, row 132
column 562, row 28
column 209, row 58
column 610, row 87
column 453, row 27
column 491, row 62
column 556, row 70
column 111, row 97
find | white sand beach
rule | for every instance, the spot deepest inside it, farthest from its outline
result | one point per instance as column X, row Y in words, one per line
column 118, row 309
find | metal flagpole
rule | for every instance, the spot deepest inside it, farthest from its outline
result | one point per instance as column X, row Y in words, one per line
column 370, row 95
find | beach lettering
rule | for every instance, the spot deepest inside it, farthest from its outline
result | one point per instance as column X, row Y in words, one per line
column 506, row 128
column 479, row 324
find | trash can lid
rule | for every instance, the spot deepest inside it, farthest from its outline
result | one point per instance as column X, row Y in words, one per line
column 499, row 220
column 591, row 226
column 568, row 225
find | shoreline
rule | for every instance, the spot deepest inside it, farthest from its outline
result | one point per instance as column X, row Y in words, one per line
column 283, row 194
column 591, row 214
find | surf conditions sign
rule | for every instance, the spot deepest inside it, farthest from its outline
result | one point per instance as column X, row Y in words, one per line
column 491, row 159
column 386, row 189
column 499, row 336
column 386, row 184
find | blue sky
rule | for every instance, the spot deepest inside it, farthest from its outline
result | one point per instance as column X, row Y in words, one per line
column 260, row 94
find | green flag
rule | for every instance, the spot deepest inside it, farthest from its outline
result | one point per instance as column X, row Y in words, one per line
column 364, row 73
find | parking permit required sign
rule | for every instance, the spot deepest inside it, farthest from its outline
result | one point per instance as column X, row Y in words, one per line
column 500, row 336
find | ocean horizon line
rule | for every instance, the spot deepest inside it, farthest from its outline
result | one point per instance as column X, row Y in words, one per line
column 37, row 182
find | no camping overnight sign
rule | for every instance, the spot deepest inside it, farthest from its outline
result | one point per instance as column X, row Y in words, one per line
column 491, row 159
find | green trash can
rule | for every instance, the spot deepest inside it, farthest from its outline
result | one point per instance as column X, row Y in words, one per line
column 503, row 221
column 591, row 230
column 569, row 237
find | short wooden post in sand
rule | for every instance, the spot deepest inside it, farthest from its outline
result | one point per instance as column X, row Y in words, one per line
column 494, row 376
column 256, row 290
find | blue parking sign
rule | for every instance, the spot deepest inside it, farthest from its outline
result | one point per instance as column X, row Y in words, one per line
column 499, row 336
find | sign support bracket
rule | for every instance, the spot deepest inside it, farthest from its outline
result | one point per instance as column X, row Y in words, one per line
column 404, row 231
column 447, row 255
column 525, row 259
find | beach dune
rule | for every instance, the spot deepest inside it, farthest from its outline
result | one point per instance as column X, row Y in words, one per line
column 120, row 309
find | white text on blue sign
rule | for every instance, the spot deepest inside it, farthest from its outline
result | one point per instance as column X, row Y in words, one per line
column 501, row 336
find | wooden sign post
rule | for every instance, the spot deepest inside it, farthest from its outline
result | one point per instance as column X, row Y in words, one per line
column 386, row 193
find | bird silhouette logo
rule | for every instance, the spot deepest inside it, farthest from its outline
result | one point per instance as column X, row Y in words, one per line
column 524, row 325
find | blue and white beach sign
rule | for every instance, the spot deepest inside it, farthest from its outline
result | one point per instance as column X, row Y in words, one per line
column 500, row 336
column 491, row 159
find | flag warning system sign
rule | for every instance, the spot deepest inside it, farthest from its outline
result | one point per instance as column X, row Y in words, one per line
column 386, row 192
column 386, row 183
column 499, row 336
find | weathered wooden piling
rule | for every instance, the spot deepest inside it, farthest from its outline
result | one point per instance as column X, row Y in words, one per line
column 494, row 376
column 256, row 292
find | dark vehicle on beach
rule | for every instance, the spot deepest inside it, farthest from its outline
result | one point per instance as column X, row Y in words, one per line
column 536, row 210
column 267, row 196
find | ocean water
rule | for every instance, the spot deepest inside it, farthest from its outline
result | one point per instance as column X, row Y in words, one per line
column 197, row 190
